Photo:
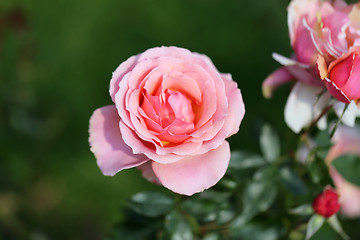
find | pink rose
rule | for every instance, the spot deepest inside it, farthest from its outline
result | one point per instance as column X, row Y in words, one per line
column 346, row 141
column 319, row 27
column 172, row 112
column 342, row 77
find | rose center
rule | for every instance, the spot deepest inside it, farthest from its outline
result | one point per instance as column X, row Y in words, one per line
column 175, row 105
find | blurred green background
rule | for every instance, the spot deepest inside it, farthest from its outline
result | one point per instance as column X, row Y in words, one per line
column 56, row 60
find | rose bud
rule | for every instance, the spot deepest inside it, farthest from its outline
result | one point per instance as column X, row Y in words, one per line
column 342, row 77
column 326, row 204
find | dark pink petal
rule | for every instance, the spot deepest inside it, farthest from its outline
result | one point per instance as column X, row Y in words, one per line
column 194, row 174
column 352, row 87
column 340, row 72
column 107, row 144
column 336, row 91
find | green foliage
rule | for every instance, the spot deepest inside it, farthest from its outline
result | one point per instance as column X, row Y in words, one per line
column 177, row 227
column 151, row 204
column 292, row 181
column 349, row 167
column 315, row 223
column 269, row 143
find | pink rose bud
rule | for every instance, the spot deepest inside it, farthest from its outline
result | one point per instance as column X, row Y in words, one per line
column 326, row 204
column 342, row 78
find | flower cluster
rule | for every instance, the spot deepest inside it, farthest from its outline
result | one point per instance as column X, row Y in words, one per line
column 325, row 37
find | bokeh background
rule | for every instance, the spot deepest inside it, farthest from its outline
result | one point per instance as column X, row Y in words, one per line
column 56, row 60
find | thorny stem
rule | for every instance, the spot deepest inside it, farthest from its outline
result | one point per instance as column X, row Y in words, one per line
column 339, row 120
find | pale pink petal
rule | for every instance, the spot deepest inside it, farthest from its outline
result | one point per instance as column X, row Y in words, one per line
column 303, row 106
column 218, row 117
column 183, row 149
column 119, row 74
column 120, row 100
column 177, row 81
column 346, row 141
column 153, row 80
column 349, row 195
column 143, row 147
column 181, row 106
column 304, row 76
column 274, row 80
column 179, row 127
column 107, row 144
column 157, row 52
column 209, row 95
column 236, row 111
column 297, row 10
column 148, row 173
column 194, row 174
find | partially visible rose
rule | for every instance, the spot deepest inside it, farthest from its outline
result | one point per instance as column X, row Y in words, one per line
column 346, row 141
column 326, row 203
column 172, row 112
column 324, row 28
column 342, row 76
column 320, row 27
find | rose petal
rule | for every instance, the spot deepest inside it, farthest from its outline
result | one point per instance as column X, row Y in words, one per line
column 303, row 106
column 119, row 74
column 236, row 111
column 351, row 88
column 148, row 173
column 144, row 147
column 274, row 80
column 350, row 114
column 194, row 173
column 107, row 144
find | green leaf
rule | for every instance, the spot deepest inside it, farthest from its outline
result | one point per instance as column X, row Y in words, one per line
column 176, row 227
column 314, row 224
column 318, row 171
column 243, row 165
column 212, row 236
column 323, row 139
column 151, row 204
column 292, row 181
column 131, row 232
column 258, row 197
column 335, row 224
column 243, row 160
column 269, row 143
column 349, row 167
column 303, row 210
column 256, row 231
column 207, row 206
